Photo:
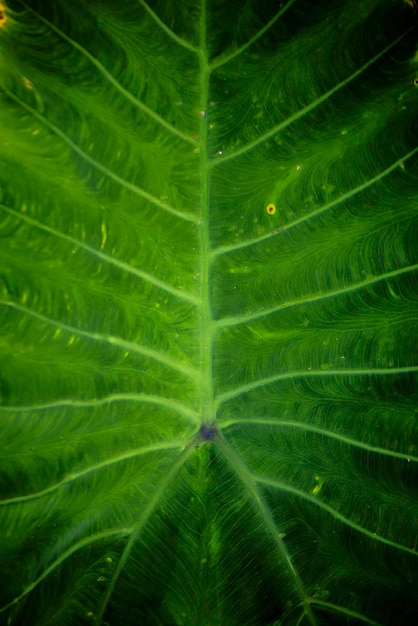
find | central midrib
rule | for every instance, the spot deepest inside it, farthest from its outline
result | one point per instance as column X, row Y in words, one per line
column 206, row 404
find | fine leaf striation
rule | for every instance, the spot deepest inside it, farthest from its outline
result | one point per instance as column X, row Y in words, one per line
column 208, row 309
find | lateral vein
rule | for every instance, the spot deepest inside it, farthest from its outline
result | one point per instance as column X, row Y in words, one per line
column 222, row 60
column 179, row 40
column 263, row 382
column 119, row 397
column 144, row 516
column 250, row 482
column 223, row 424
column 304, row 218
column 245, row 318
column 178, row 293
column 111, row 339
column 329, row 509
column 140, row 105
column 70, row 478
column 278, row 127
column 188, row 217
column 65, row 555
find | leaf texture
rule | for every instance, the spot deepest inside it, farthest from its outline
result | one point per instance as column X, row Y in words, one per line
column 208, row 285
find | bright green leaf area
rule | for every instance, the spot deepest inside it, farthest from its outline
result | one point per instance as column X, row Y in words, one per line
column 208, row 408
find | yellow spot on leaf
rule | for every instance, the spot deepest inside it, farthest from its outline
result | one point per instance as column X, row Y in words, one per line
column 271, row 209
column 104, row 236
column 318, row 486
column 3, row 16
column 27, row 83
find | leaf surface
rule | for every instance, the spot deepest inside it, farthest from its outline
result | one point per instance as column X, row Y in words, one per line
column 208, row 309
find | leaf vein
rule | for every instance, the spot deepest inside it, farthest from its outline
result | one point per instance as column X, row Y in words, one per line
column 345, row 611
column 140, row 105
column 249, row 317
column 145, row 515
column 179, row 40
column 188, row 217
column 329, row 509
column 120, row 458
column 65, row 555
column 178, row 293
column 299, row 114
column 123, row 344
column 265, row 513
column 222, row 60
column 321, row 210
column 320, row 431
column 120, row 397
column 238, row 391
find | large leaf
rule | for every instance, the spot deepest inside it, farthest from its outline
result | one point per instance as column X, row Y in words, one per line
column 208, row 276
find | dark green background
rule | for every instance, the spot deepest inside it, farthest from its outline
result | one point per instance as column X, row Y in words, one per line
column 145, row 291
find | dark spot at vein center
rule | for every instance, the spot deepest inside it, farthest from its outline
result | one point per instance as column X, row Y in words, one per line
column 208, row 432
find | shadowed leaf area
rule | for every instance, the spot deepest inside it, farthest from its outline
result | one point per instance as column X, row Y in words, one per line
column 208, row 313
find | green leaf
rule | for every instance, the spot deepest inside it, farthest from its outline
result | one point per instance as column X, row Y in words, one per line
column 208, row 313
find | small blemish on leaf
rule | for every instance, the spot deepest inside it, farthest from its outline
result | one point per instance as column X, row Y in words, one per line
column 318, row 486
column 3, row 16
column 271, row 209
column 415, row 82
